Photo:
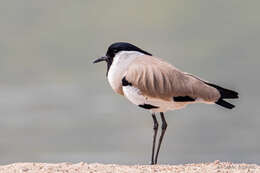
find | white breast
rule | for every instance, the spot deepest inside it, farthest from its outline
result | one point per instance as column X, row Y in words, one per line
column 119, row 66
column 135, row 96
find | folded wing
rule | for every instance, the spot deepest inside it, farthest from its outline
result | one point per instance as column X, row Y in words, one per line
column 159, row 79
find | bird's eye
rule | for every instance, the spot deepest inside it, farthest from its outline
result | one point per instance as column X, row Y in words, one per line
column 115, row 50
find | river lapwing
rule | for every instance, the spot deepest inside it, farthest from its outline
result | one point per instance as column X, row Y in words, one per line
column 155, row 85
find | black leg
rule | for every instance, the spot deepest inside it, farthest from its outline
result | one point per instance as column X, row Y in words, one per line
column 155, row 128
column 164, row 126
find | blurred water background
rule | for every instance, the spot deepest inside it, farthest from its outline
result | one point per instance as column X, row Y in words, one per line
column 56, row 106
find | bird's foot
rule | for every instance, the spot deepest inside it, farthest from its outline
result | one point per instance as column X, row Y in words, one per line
column 152, row 163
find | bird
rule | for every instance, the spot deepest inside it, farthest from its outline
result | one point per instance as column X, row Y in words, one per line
column 157, row 86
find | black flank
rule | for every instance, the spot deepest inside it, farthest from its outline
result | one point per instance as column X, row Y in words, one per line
column 148, row 106
column 125, row 82
column 183, row 99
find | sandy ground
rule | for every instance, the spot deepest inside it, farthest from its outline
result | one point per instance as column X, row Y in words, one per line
column 216, row 166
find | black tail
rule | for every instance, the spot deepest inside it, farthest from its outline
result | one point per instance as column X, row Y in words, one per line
column 225, row 94
column 225, row 104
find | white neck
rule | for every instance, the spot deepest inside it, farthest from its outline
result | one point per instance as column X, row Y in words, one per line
column 119, row 66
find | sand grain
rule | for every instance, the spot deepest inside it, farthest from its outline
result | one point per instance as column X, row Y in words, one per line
column 215, row 167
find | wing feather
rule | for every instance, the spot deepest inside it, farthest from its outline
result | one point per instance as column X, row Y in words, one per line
column 159, row 79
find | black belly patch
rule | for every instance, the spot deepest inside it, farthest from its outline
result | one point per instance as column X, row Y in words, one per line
column 148, row 106
column 183, row 99
column 125, row 82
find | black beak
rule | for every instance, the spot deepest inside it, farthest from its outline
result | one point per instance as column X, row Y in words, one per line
column 103, row 58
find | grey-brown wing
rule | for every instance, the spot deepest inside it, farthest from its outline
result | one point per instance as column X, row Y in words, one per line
column 157, row 78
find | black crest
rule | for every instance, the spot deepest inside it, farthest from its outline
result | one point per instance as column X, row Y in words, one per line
column 114, row 48
column 123, row 46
